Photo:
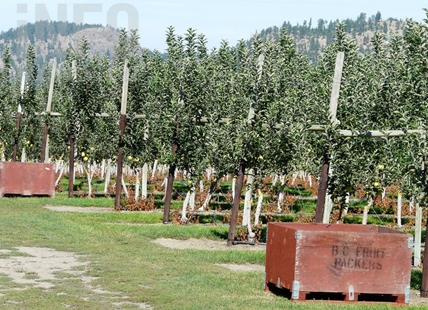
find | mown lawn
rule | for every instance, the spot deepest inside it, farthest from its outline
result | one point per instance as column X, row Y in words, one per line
column 127, row 267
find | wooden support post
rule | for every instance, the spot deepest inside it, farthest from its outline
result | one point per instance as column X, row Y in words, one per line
column 119, row 173
column 18, row 117
column 45, row 141
column 170, row 181
column 322, row 187
column 72, row 139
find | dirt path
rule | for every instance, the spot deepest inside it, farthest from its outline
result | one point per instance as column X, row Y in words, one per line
column 42, row 268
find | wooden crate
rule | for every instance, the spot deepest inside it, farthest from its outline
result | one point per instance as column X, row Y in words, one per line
column 27, row 179
column 339, row 262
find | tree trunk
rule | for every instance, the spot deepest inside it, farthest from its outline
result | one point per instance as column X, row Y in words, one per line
column 399, row 207
column 108, row 175
column 236, row 201
column 71, row 168
column 322, row 188
column 211, row 190
column 259, row 208
column 168, row 194
column 248, row 199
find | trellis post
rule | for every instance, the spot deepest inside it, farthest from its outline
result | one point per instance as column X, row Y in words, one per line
column 45, row 141
column 122, row 121
column 322, row 184
column 72, row 137
column 18, row 117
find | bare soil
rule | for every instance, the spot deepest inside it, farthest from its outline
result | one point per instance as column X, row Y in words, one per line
column 41, row 268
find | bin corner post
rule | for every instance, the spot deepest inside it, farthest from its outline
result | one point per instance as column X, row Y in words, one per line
column 322, row 188
column 424, row 284
column 236, row 201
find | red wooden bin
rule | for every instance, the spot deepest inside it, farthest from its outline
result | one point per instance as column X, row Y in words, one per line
column 339, row 262
column 27, row 179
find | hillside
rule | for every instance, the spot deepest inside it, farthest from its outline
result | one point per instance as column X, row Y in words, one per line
column 51, row 40
column 312, row 39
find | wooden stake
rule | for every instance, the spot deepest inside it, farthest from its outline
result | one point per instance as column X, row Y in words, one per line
column 170, row 183
column 18, row 117
column 119, row 173
column 322, row 187
column 72, row 138
column 45, row 141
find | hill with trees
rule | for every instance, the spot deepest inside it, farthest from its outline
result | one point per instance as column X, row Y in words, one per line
column 52, row 39
column 312, row 38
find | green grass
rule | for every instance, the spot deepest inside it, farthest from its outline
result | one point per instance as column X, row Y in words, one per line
column 125, row 261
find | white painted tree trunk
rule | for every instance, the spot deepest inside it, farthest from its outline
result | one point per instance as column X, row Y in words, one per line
column 281, row 194
column 61, row 172
column 293, row 181
column 418, row 236
column 23, row 156
column 345, row 211
column 201, row 186
column 233, row 187
column 211, row 191
column 275, row 179
column 248, row 198
column 366, row 210
column 192, row 200
column 108, row 176
column 74, row 173
column 184, row 209
column 124, row 188
column 137, row 186
column 89, row 171
column 59, row 164
column 164, row 183
column 399, row 208
column 328, row 207
column 259, row 208
column 103, row 168
column 154, row 168
column 310, row 180
column 144, row 181
column 251, row 235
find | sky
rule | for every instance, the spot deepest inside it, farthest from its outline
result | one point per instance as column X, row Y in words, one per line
column 218, row 20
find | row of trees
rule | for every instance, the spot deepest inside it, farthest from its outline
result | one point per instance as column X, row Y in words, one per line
column 236, row 104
